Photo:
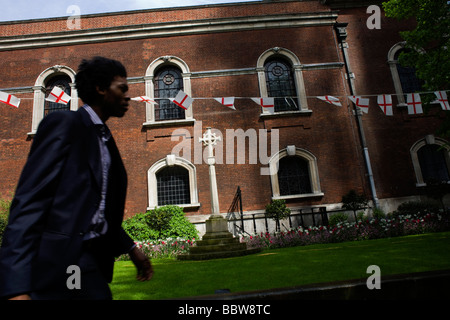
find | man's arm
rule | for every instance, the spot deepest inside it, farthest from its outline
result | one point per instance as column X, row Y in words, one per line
column 142, row 263
column 33, row 197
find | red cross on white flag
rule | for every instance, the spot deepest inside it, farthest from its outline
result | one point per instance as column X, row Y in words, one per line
column 227, row 102
column 182, row 100
column 385, row 103
column 331, row 100
column 362, row 103
column 442, row 99
column 144, row 99
column 57, row 95
column 266, row 103
column 414, row 103
column 9, row 99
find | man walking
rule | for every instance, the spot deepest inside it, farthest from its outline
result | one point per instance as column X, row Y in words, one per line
column 69, row 203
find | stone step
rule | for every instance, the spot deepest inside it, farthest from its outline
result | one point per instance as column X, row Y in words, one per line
column 217, row 235
column 220, row 241
column 217, row 255
column 218, row 248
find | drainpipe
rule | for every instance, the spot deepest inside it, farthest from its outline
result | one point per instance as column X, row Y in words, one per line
column 342, row 36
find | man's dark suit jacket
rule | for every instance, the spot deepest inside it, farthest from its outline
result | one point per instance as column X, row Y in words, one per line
column 56, row 197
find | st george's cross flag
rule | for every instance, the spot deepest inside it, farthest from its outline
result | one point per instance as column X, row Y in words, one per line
column 9, row 99
column 144, row 99
column 385, row 103
column 57, row 95
column 182, row 100
column 331, row 100
column 442, row 99
column 227, row 102
column 267, row 103
column 361, row 103
column 414, row 103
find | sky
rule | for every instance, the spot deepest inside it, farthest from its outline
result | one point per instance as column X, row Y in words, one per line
column 12, row 10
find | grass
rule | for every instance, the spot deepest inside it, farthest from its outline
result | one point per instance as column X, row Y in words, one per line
column 284, row 267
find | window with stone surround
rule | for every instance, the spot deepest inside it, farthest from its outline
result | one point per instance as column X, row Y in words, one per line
column 54, row 76
column 431, row 160
column 63, row 82
column 280, row 76
column 172, row 181
column 280, row 84
column 404, row 78
column 294, row 174
column 164, row 78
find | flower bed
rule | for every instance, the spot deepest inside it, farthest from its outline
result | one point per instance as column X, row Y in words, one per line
column 167, row 248
column 351, row 231
column 400, row 225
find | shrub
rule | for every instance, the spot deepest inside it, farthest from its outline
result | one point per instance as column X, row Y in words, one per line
column 277, row 211
column 179, row 225
column 160, row 223
column 337, row 218
column 416, row 207
column 3, row 223
column 159, row 219
column 353, row 201
column 137, row 228
column 378, row 213
column 4, row 210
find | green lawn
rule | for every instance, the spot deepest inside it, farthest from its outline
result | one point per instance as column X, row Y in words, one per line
column 284, row 267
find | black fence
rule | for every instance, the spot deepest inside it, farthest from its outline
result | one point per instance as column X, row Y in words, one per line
column 248, row 224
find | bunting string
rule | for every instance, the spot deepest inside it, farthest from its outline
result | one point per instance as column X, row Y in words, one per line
column 184, row 101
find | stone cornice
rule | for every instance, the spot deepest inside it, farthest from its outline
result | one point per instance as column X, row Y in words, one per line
column 168, row 29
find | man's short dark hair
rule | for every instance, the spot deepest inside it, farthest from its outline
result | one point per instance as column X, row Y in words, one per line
column 98, row 71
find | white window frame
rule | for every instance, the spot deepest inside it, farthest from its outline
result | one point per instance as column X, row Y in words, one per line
column 302, row 101
column 150, row 120
column 39, row 89
column 168, row 161
column 428, row 140
column 313, row 173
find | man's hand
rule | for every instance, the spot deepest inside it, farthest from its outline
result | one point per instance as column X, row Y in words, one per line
column 21, row 297
column 142, row 263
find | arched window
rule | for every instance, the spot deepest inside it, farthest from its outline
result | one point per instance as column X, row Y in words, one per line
column 63, row 82
column 168, row 82
column 280, row 76
column 173, row 186
column 433, row 163
column 172, row 180
column 408, row 79
column 61, row 76
column 431, row 160
column 294, row 174
column 164, row 78
column 404, row 78
column 280, row 84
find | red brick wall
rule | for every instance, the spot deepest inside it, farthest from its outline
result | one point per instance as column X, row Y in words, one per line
column 389, row 138
column 330, row 132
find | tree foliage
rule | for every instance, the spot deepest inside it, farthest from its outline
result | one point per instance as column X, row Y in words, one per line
column 354, row 201
column 428, row 44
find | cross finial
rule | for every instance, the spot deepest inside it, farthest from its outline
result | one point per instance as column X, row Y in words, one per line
column 209, row 138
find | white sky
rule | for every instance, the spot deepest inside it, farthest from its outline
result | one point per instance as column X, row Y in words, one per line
column 12, row 10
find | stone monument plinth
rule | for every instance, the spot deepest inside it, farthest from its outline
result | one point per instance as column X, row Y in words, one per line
column 217, row 242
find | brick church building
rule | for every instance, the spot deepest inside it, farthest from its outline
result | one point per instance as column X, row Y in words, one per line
column 304, row 150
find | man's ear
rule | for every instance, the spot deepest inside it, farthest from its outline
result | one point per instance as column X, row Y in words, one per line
column 100, row 91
